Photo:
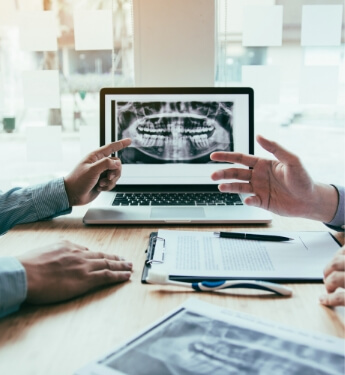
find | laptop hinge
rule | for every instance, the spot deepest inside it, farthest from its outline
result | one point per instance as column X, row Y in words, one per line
column 166, row 188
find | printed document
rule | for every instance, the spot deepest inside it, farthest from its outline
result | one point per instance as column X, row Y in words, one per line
column 200, row 254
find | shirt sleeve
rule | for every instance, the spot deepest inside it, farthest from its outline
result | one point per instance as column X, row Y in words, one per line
column 338, row 221
column 13, row 285
column 34, row 203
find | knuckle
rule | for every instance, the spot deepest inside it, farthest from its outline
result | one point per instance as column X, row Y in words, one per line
column 108, row 276
column 108, row 162
column 333, row 264
column 334, row 279
column 235, row 174
column 239, row 158
column 107, row 264
column 296, row 159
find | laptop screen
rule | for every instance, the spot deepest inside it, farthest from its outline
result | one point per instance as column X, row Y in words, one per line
column 174, row 130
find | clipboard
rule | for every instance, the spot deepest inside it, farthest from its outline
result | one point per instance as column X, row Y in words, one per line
column 307, row 257
column 149, row 256
column 150, row 252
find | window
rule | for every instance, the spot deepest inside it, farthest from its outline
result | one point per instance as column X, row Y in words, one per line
column 55, row 55
column 298, row 78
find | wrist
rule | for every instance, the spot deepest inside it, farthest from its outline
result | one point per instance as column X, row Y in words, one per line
column 324, row 203
column 71, row 200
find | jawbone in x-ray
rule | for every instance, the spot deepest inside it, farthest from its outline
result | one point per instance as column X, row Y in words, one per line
column 174, row 132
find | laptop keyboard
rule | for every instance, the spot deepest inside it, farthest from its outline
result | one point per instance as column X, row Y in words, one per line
column 177, row 199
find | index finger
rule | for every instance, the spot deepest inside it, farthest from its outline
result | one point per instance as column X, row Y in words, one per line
column 110, row 148
column 234, row 157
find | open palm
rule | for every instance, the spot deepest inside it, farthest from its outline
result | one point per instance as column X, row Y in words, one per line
column 282, row 186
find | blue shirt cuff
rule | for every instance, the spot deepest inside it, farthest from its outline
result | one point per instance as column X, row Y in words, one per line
column 13, row 285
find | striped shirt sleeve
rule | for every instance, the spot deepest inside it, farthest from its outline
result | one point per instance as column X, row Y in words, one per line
column 13, row 286
column 34, row 203
column 18, row 206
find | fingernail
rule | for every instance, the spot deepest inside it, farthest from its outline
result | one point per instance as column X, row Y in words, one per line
column 101, row 184
column 323, row 299
column 129, row 264
column 122, row 258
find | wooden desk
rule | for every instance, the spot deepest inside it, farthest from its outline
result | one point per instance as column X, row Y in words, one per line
column 58, row 339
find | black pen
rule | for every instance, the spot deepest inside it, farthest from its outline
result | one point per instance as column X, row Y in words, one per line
column 249, row 236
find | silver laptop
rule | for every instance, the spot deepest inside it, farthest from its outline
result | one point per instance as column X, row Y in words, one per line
column 166, row 170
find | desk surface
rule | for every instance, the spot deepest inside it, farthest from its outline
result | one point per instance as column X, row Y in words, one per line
column 60, row 338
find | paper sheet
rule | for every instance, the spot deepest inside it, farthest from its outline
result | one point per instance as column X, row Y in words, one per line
column 262, row 26
column 321, row 25
column 93, row 30
column 8, row 13
column 38, row 31
column 41, row 89
column 29, row 5
column 201, row 254
column 230, row 14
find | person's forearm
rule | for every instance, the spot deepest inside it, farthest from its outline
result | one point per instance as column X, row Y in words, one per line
column 26, row 205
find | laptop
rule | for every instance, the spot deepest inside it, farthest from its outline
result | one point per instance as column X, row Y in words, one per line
column 166, row 170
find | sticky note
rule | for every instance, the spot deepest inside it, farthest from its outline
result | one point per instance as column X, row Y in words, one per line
column 93, row 30
column 8, row 13
column 319, row 85
column 24, row 5
column 262, row 26
column 321, row 25
column 41, row 89
column 89, row 139
column 44, row 143
column 38, row 31
column 230, row 14
column 265, row 80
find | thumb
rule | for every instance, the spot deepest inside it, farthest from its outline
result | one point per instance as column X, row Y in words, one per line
column 253, row 200
column 105, row 164
column 278, row 151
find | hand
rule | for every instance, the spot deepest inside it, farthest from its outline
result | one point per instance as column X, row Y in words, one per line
column 334, row 278
column 282, row 186
column 96, row 173
column 65, row 270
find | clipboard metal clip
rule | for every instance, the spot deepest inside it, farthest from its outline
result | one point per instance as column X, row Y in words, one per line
column 151, row 253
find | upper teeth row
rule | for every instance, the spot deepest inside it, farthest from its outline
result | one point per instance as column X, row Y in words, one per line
column 197, row 130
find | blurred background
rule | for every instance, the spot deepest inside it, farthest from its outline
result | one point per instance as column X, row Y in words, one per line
column 55, row 56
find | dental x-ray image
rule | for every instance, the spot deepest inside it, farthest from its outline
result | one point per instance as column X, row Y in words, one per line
column 174, row 132
column 189, row 344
